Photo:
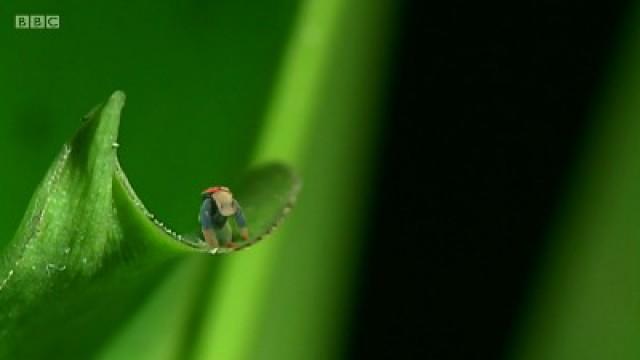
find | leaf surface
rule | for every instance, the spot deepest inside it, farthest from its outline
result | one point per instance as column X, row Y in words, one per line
column 87, row 249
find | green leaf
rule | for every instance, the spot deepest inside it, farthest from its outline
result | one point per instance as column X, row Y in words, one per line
column 290, row 299
column 87, row 249
column 584, row 301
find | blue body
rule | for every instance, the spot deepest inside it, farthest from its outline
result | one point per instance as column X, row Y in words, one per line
column 210, row 216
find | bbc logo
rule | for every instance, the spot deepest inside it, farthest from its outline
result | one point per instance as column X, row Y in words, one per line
column 37, row 21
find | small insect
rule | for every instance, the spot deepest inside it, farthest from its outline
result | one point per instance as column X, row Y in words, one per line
column 217, row 206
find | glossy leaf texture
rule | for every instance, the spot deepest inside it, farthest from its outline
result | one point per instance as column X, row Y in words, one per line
column 87, row 249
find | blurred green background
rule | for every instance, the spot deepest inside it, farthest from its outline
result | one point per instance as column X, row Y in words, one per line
column 212, row 87
column 216, row 86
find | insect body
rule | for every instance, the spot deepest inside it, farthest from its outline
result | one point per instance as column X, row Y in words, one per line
column 218, row 205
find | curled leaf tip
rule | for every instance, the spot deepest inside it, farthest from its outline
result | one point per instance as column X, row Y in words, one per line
column 86, row 236
column 118, row 96
column 267, row 194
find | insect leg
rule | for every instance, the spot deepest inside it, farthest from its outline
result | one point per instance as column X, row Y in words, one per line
column 210, row 237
